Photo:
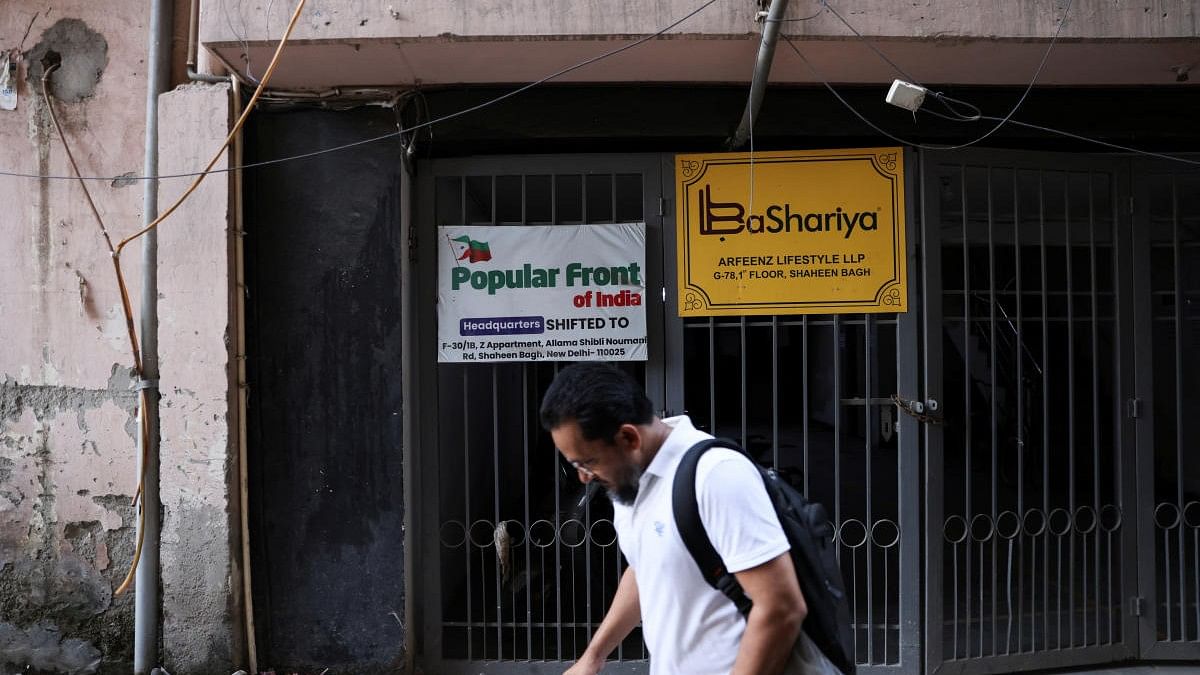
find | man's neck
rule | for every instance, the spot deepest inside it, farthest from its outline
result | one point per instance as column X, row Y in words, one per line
column 655, row 435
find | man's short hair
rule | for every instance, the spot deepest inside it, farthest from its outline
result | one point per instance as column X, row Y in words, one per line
column 596, row 396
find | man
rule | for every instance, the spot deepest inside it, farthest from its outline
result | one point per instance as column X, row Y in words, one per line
column 603, row 424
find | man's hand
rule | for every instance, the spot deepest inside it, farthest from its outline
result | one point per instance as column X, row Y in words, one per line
column 586, row 665
column 774, row 622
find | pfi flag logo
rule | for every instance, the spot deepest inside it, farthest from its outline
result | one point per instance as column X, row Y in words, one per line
column 471, row 250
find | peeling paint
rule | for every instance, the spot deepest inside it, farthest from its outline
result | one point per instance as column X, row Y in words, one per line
column 48, row 401
column 42, row 647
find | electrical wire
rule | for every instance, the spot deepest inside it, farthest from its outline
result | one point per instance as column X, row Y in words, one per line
column 1114, row 146
column 802, row 18
column 1007, row 120
column 115, row 253
column 865, row 41
column 393, row 134
column 1032, row 81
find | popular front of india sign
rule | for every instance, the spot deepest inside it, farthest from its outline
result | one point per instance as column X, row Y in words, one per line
column 809, row 232
column 531, row 293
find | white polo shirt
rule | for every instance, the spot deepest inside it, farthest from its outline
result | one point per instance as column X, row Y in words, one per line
column 689, row 626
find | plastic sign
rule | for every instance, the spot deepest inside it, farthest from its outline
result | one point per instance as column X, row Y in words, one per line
column 555, row 292
column 803, row 232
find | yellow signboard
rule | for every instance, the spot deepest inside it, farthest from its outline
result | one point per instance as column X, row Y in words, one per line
column 810, row 232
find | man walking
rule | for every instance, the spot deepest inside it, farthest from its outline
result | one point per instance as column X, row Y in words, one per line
column 603, row 424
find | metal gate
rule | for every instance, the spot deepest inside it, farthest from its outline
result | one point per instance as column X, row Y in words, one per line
column 1031, row 503
column 1167, row 407
column 815, row 396
column 514, row 576
column 511, row 577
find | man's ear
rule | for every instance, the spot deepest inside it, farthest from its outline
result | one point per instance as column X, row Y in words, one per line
column 629, row 437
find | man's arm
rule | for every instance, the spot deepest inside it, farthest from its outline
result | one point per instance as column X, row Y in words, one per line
column 774, row 621
column 622, row 617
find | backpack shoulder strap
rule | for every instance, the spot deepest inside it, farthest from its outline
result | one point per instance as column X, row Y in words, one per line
column 691, row 528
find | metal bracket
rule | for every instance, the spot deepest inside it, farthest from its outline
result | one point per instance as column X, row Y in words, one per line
column 145, row 384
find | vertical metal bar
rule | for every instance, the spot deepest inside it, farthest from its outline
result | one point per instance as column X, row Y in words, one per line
column 854, row 602
column 558, row 604
column 745, row 433
column 1179, row 375
column 868, row 368
column 583, row 218
column 1095, row 400
column 805, row 403
column 908, row 481
column 1071, row 451
column 932, row 545
column 1020, row 349
column 775, row 392
column 527, row 523
column 712, row 376
column 496, row 494
column 954, row 655
column 554, row 203
column 524, row 199
column 995, row 376
column 837, row 423
column 1123, row 627
column 587, row 509
column 1045, row 300
column 967, row 508
column 612, row 197
column 587, row 567
column 1167, row 596
column 467, row 520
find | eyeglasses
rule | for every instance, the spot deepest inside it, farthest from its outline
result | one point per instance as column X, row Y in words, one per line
column 582, row 467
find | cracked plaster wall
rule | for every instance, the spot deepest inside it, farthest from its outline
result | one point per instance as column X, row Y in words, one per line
column 201, row 583
column 67, row 424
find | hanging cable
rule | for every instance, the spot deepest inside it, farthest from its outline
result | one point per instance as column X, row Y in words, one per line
column 944, row 100
column 926, row 146
column 115, row 254
column 374, row 139
column 865, row 41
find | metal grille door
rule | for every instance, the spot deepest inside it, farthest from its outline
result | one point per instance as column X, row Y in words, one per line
column 814, row 397
column 1167, row 226
column 515, row 577
column 1030, row 558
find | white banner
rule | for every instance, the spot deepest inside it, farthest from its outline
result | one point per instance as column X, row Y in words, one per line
column 544, row 292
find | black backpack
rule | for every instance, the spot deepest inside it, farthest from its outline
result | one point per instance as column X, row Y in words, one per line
column 810, row 534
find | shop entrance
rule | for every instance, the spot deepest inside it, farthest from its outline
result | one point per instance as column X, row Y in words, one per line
column 512, row 576
column 1005, row 463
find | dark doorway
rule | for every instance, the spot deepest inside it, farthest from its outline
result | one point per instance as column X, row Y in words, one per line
column 324, row 315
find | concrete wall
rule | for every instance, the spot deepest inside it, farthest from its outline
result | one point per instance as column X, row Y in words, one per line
column 354, row 44
column 67, row 448
column 356, row 20
column 67, row 407
column 200, row 583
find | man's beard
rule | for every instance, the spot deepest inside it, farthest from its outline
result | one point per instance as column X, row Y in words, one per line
column 624, row 490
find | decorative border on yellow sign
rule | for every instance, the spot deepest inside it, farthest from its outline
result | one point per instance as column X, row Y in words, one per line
column 891, row 296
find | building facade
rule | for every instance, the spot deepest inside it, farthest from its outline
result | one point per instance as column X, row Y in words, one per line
column 1006, row 462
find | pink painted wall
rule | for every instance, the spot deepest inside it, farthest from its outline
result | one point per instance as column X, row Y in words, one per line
column 67, row 453
column 67, row 425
